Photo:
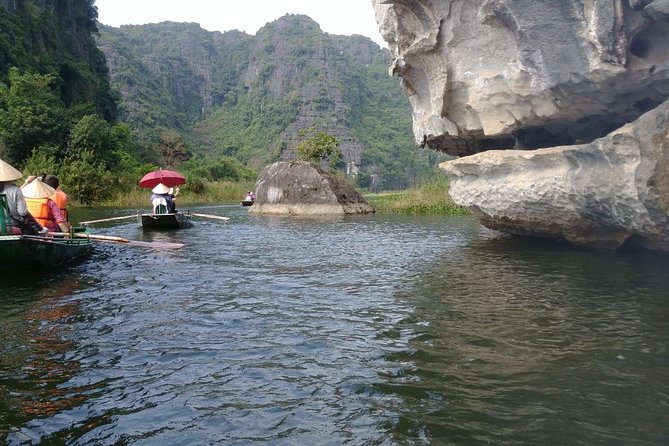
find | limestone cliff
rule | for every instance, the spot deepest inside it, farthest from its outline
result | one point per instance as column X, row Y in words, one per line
column 531, row 74
column 484, row 74
column 251, row 97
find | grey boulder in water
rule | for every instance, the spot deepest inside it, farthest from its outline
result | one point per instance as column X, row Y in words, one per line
column 302, row 188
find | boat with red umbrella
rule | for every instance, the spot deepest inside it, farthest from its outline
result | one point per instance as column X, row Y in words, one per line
column 161, row 181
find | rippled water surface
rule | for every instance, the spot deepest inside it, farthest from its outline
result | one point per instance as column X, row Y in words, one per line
column 379, row 330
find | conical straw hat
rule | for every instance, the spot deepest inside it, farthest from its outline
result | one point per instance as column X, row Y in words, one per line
column 160, row 189
column 37, row 189
column 8, row 173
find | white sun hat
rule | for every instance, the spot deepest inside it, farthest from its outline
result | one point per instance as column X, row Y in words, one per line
column 160, row 189
column 8, row 173
column 37, row 189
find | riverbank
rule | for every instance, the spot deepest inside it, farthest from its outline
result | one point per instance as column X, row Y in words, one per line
column 202, row 192
column 429, row 199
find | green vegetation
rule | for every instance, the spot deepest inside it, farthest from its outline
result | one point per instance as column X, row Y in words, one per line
column 216, row 107
column 213, row 192
column 429, row 199
column 57, row 39
column 262, row 91
column 319, row 146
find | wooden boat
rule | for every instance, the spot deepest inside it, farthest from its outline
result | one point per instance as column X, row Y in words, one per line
column 31, row 251
column 180, row 219
column 248, row 199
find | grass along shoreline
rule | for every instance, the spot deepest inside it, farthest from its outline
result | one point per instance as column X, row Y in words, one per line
column 429, row 199
column 206, row 192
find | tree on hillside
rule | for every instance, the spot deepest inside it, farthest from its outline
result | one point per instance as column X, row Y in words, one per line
column 31, row 114
column 317, row 147
column 93, row 134
column 87, row 180
column 172, row 148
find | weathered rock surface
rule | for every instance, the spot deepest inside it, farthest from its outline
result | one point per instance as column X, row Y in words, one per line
column 301, row 188
column 500, row 74
column 610, row 193
column 584, row 82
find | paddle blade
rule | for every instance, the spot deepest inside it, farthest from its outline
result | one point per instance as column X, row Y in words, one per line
column 107, row 219
column 125, row 241
column 215, row 217
column 158, row 245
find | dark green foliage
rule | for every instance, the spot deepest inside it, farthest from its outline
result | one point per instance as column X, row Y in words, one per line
column 172, row 149
column 85, row 179
column 56, row 37
column 31, row 114
column 42, row 160
column 248, row 129
column 222, row 168
column 319, row 146
column 93, row 134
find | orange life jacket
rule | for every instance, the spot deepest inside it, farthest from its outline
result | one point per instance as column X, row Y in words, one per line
column 61, row 200
column 39, row 209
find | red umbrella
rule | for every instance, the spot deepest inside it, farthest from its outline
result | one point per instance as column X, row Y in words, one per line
column 169, row 178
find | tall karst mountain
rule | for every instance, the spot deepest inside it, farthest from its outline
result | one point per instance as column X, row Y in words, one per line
column 252, row 97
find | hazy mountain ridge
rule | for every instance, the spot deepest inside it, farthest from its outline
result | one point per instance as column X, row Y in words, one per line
column 250, row 96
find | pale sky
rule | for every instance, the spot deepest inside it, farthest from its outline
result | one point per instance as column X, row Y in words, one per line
column 343, row 17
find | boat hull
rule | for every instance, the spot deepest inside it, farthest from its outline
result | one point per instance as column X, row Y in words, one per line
column 166, row 221
column 247, row 203
column 30, row 252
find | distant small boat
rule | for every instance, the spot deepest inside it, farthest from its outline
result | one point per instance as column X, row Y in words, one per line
column 248, row 200
column 178, row 220
column 30, row 251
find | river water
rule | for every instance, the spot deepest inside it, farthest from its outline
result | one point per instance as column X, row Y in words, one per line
column 378, row 330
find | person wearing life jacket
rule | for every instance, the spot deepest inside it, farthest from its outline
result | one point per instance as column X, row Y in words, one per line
column 22, row 222
column 59, row 197
column 43, row 208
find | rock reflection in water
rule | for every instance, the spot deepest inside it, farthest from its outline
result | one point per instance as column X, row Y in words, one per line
column 527, row 342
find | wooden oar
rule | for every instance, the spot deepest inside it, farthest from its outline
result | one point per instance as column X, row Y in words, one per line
column 114, row 239
column 106, row 219
column 217, row 217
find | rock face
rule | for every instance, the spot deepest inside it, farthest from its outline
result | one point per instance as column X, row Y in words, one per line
column 611, row 193
column 571, row 93
column 499, row 74
column 301, row 188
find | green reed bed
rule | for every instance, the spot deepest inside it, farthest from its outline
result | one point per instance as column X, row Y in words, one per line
column 429, row 199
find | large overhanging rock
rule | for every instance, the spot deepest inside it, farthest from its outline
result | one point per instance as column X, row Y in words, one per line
column 302, row 188
column 613, row 192
column 500, row 74
column 556, row 76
